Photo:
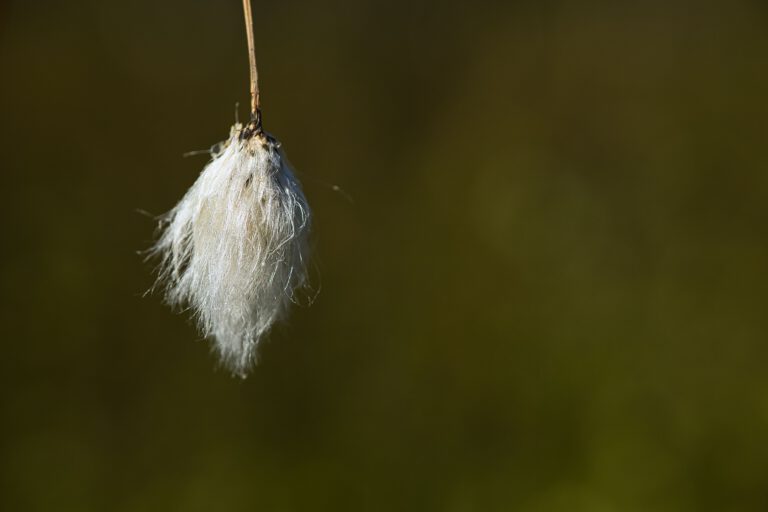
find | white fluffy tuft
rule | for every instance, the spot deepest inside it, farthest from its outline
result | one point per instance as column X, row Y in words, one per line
column 235, row 247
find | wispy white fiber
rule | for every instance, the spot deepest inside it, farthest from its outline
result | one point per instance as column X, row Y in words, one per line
column 234, row 250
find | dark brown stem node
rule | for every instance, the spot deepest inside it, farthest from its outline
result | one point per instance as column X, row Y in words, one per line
column 253, row 128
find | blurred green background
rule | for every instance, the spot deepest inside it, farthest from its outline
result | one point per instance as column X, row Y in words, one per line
column 548, row 292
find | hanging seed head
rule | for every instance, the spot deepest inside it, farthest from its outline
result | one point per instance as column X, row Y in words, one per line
column 234, row 250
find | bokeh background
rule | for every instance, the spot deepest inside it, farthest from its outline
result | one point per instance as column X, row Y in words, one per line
column 547, row 293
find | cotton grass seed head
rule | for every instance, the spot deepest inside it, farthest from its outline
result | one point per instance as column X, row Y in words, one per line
column 235, row 247
column 234, row 250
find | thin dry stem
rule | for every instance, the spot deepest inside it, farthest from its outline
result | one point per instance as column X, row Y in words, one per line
column 255, row 103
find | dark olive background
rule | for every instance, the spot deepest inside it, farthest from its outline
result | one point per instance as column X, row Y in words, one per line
column 548, row 292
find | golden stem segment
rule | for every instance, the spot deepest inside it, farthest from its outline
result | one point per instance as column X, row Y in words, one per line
column 255, row 104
